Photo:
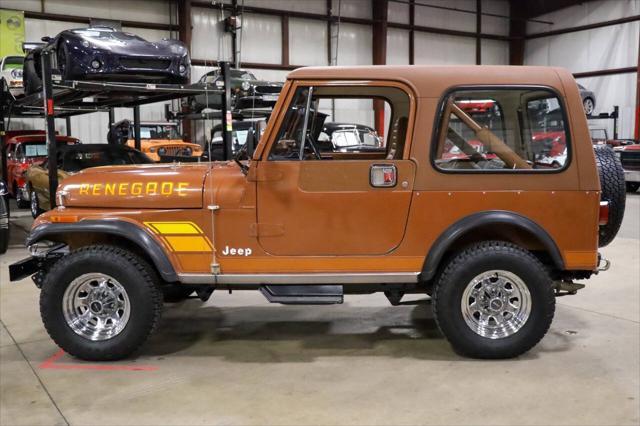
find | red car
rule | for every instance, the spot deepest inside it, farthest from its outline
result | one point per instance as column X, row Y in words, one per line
column 23, row 148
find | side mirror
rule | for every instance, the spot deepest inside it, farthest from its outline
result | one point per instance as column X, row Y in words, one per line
column 46, row 39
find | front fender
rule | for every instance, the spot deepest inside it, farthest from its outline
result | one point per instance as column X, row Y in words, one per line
column 119, row 228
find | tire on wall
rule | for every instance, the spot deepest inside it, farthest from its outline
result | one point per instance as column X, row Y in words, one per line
column 613, row 190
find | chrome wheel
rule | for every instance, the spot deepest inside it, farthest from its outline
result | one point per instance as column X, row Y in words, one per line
column 588, row 106
column 96, row 306
column 496, row 304
column 35, row 205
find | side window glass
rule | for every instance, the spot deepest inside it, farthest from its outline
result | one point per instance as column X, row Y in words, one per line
column 344, row 123
column 502, row 129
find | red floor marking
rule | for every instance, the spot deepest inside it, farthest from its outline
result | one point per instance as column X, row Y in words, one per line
column 50, row 363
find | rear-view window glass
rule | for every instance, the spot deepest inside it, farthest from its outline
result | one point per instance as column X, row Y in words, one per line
column 512, row 129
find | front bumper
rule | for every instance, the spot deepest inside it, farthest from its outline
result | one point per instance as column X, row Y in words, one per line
column 36, row 265
column 632, row 175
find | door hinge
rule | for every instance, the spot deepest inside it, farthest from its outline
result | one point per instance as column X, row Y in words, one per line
column 215, row 268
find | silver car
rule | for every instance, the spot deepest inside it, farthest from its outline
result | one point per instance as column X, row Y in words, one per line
column 588, row 99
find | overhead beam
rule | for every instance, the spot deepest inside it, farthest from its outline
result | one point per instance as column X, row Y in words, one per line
column 595, row 25
column 600, row 73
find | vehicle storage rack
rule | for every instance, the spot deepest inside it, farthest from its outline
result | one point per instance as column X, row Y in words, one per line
column 61, row 99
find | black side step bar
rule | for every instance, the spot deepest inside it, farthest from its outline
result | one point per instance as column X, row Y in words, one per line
column 303, row 294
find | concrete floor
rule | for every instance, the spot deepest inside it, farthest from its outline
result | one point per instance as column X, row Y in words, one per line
column 238, row 360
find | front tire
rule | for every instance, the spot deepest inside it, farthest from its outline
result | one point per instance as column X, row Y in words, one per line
column 494, row 300
column 100, row 303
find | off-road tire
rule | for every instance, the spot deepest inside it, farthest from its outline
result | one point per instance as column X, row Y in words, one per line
column 133, row 273
column 613, row 190
column 633, row 186
column 174, row 293
column 462, row 269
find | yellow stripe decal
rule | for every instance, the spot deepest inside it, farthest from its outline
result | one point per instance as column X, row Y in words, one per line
column 179, row 228
column 188, row 244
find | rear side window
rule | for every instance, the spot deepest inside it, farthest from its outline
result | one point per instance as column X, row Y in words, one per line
column 510, row 129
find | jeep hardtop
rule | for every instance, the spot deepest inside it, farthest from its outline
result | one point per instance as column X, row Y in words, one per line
column 483, row 193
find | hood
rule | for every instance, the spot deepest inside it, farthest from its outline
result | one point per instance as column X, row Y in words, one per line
column 165, row 186
column 123, row 43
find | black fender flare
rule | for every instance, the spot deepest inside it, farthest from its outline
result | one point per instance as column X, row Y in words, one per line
column 476, row 220
column 120, row 228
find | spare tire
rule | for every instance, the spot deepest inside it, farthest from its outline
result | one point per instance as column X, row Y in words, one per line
column 613, row 190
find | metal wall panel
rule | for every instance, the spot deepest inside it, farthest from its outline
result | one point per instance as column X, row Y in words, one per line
column 397, row 47
column 495, row 52
column 448, row 19
column 398, row 12
column 355, row 45
column 34, row 29
column 156, row 11
column 613, row 90
column 585, row 13
column 208, row 40
column 307, row 42
column 261, row 38
column 494, row 24
column 30, row 5
column 353, row 8
column 597, row 49
column 440, row 49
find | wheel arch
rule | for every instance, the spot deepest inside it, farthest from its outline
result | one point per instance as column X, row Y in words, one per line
column 117, row 232
column 511, row 227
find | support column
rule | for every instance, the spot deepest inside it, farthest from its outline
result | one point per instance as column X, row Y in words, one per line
column 517, row 31
column 637, row 132
column 50, row 126
column 227, row 119
column 379, row 53
column 3, row 152
column 478, row 31
column 184, row 35
column 136, row 127
column 412, row 34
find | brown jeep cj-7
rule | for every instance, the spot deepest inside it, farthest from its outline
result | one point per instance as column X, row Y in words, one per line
column 475, row 185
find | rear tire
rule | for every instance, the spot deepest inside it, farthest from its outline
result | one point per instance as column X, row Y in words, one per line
column 613, row 190
column 494, row 300
column 100, row 303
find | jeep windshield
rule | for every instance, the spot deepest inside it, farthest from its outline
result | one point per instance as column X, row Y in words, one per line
column 159, row 131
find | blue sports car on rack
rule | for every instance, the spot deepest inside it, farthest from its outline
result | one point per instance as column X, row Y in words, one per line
column 103, row 53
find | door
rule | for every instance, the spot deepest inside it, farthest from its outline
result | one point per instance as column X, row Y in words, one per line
column 334, row 180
